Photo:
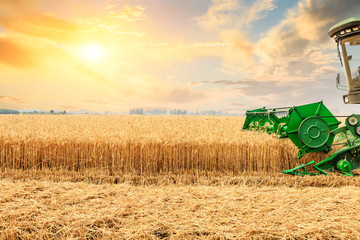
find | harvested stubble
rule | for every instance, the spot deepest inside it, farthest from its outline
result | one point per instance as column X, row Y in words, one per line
column 141, row 145
column 48, row 210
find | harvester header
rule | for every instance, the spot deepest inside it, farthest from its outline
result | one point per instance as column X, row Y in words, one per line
column 308, row 126
column 312, row 128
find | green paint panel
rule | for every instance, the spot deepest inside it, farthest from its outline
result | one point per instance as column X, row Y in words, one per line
column 314, row 132
column 309, row 127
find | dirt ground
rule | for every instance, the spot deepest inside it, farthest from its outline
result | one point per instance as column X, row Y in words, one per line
column 48, row 209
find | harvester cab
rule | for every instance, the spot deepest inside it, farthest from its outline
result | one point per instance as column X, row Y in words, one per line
column 312, row 127
column 347, row 37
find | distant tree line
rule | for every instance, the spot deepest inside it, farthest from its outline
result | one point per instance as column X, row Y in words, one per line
column 139, row 111
column 178, row 112
column 45, row 112
column 156, row 112
column 57, row 112
column 8, row 111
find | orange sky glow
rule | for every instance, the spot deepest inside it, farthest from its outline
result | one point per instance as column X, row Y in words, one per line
column 113, row 55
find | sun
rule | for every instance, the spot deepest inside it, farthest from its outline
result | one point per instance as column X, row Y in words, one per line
column 92, row 52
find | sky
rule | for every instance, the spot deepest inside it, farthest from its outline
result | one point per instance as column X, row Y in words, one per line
column 199, row 55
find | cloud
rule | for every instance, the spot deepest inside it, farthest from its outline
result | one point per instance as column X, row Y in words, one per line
column 181, row 95
column 236, row 104
column 233, row 14
column 182, row 51
column 253, row 94
column 221, row 14
column 91, row 73
column 314, row 16
column 15, row 55
column 30, row 39
column 118, row 19
column 24, row 18
column 296, row 49
column 69, row 107
column 33, row 56
column 127, row 13
column 228, row 82
column 258, row 11
column 232, row 20
column 250, row 87
column 43, row 43
column 15, row 100
column 96, row 101
column 240, row 54
column 292, row 60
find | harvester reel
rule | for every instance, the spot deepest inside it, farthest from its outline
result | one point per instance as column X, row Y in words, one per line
column 270, row 129
column 254, row 126
column 266, row 120
column 264, row 123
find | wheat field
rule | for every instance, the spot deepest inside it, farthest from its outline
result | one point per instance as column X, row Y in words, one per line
column 141, row 145
column 162, row 177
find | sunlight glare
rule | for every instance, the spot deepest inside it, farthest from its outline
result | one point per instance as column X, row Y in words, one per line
column 92, row 52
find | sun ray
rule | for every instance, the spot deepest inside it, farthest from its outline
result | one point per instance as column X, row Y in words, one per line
column 92, row 52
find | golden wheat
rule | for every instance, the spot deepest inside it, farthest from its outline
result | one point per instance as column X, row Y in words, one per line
column 142, row 145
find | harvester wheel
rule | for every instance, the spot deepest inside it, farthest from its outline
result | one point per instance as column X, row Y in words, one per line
column 343, row 165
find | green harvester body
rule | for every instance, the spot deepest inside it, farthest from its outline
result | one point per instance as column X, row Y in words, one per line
column 312, row 127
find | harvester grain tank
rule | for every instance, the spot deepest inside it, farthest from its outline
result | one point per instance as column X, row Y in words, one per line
column 312, row 127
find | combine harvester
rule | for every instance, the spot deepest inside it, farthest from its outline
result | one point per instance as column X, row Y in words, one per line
column 312, row 127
